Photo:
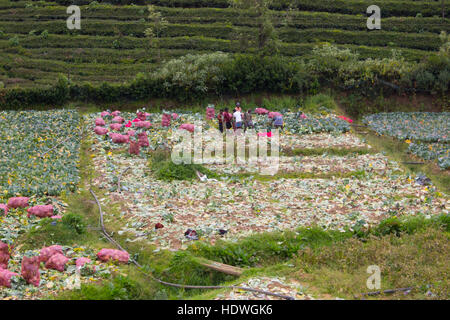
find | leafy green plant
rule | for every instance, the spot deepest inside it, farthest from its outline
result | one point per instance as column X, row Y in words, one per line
column 14, row 41
column 119, row 288
column 75, row 221
column 44, row 34
column 41, row 151
column 389, row 226
column 164, row 168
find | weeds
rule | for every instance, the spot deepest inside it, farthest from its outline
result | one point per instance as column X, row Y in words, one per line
column 164, row 168
column 328, row 151
column 419, row 260
column 119, row 288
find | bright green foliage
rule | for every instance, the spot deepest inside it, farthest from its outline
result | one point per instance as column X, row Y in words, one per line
column 164, row 168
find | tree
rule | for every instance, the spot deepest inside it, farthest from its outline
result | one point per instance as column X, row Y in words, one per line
column 266, row 39
column 158, row 25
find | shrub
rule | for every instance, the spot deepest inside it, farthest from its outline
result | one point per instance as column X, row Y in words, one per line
column 410, row 225
column 193, row 75
column 14, row 41
column 389, row 226
column 75, row 222
column 317, row 102
column 164, row 168
column 119, row 288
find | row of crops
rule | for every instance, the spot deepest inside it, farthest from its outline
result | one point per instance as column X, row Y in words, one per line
column 39, row 160
column 111, row 41
column 39, row 152
column 427, row 133
column 390, row 7
column 422, row 41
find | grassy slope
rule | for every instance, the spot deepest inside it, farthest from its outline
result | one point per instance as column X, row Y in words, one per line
column 339, row 268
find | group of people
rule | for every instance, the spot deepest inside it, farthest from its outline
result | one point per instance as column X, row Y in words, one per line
column 239, row 121
column 236, row 120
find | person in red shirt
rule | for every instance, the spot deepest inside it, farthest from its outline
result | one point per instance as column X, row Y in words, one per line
column 227, row 117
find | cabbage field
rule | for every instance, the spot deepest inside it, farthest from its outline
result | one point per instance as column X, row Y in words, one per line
column 333, row 191
column 329, row 177
column 39, row 152
column 428, row 134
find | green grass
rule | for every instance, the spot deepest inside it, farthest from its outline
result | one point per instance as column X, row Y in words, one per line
column 119, row 288
column 414, row 253
column 328, row 151
column 267, row 248
column 418, row 260
column 300, row 175
column 164, row 168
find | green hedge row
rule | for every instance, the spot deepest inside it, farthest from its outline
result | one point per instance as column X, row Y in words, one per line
column 238, row 18
column 163, row 3
column 308, row 20
column 299, row 21
column 377, row 38
column 238, row 74
column 95, row 55
column 205, row 16
column 389, row 8
column 112, row 28
column 74, row 43
column 241, row 74
column 369, row 38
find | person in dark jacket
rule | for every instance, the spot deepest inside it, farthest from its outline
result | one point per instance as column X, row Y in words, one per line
column 220, row 120
column 227, row 117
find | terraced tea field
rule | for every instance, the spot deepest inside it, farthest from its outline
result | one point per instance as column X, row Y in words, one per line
column 111, row 45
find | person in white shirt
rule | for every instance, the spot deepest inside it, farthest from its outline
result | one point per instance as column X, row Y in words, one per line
column 237, row 117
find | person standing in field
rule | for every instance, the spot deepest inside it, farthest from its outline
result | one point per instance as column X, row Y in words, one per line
column 237, row 118
column 227, row 117
column 248, row 122
column 278, row 121
column 220, row 119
